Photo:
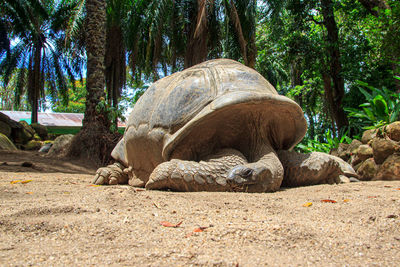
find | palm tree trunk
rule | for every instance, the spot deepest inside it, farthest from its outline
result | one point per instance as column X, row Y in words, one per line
column 95, row 142
column 36, row 81
column 95, row 81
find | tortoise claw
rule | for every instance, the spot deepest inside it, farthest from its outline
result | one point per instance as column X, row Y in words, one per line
column 110, row 175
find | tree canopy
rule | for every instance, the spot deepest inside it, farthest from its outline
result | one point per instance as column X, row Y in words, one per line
column 339, row 59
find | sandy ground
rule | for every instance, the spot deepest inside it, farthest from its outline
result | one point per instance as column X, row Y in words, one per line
column 58, row 219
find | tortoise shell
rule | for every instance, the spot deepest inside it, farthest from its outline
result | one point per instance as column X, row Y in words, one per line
column 213, row 105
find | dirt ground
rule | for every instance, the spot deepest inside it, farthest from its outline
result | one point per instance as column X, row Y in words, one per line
column 55, row 218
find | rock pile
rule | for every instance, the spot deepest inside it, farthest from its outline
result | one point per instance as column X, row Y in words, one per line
column 20, row 135
column 377, row 155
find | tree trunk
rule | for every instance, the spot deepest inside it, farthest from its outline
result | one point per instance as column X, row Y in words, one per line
column 35, row 82
column 95, row 50
column 94, row 141
column 373, row 5
column 197, row 50
column 115, row 66
column 333, row 83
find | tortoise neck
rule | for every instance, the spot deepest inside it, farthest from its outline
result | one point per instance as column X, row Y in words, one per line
column 261, row 150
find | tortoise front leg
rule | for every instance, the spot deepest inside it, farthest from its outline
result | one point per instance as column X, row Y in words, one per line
column 208, row 175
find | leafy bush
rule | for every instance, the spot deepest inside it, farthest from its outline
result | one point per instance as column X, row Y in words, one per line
column 308, row 145
column 382, row 107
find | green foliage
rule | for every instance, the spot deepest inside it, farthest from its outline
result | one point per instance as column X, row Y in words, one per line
column 308, row 145
column 76, row 96
column 113, row 113
column 382, row 107
column 37, row 57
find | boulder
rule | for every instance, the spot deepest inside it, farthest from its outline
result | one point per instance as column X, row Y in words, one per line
column 21, row 135
column 60, row 145
column 364, row 152
column 5, row 129
column 367, row 170
column 41, row 130
column 383, row 148
column 33, row 145
column 6, row 144
column 393, row 131
column 368, row 135
column 390, row 169
column 7, row 125
column 28, row 127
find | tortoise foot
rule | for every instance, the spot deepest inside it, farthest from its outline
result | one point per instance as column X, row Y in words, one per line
column 111, row 175
column 208, row 175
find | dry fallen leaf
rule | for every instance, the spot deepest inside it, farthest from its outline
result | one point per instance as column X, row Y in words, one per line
column 328, row 201
column 387, row 186
column 168, row 224
column 197, row 230
column 138, row 189
column 26, row 181
column 16, row 181
column 94, row 185
column 371, row 196
column 346, row 200
column 30, row 193
column 308, row 204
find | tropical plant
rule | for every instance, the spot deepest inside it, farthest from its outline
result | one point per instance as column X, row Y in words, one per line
column 323, row 143
column 382, row 107
column 37, row 29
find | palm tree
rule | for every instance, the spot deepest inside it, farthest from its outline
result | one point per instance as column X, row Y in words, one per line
column 95, row 141
column 169, row 35
column 37, row 27
column 95, row 50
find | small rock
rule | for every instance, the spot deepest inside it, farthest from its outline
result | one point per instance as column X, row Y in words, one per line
column 61, row 145
column 364, row 152
column 344, row 179
column 367, row 170
column 393, row 131
column 382, row 148
column 45, row 148
column 392, row 216
column 33, row 145
column 368, row 135
column 390, row 169
column 353, row 147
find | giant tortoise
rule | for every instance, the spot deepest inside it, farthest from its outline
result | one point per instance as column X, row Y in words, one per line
column 217, row 126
